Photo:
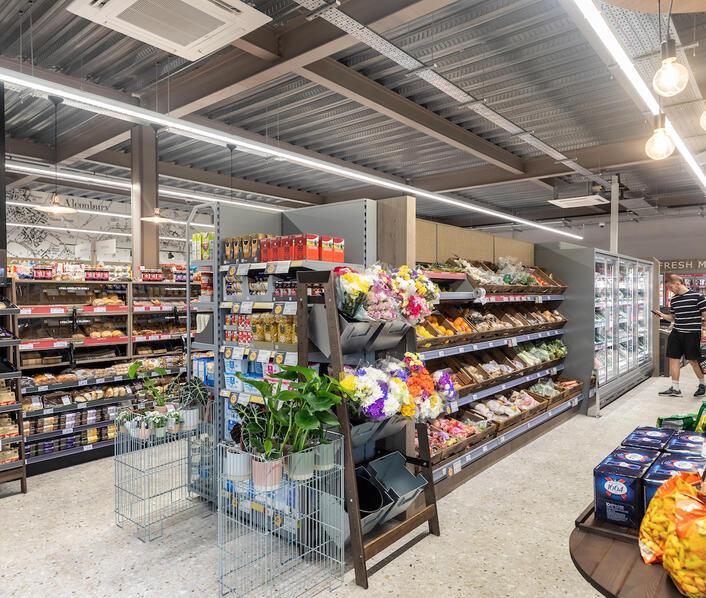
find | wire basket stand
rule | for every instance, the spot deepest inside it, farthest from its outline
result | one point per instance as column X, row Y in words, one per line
column 158, row 477
column 281, row 525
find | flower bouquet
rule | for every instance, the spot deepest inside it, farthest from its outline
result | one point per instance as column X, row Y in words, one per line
column 351, row 290
column 369, row 390
column 428, row 402
column 380, row 303
column 415, row 293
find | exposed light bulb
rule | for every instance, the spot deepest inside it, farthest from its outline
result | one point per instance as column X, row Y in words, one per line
column 660, row 145
column 55, row 207
column 702, row 120
column 156, row 218
column 672, row 77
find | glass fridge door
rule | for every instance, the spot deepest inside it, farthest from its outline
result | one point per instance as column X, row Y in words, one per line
column 624, row 296
column 643, row 312
column 610, row 317
column 601, row 323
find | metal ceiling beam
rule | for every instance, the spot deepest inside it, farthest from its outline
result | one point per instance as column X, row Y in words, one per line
column 234, row 72
column 601, row 157
column 28, row 149
column 357, row 87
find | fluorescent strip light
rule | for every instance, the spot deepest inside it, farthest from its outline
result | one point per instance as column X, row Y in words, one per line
column 605, row 34
column 88, row 231
column 131, row 113
column 22, row 204
column 179, row 239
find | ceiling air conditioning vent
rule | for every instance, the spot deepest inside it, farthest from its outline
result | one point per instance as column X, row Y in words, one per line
column 579, row 202
column 191, row 29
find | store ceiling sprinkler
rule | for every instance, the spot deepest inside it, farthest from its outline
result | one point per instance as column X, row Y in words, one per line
column 660, row 145
column 55, row 207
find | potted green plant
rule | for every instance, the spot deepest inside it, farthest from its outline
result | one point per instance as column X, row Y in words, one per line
column 292, row 422
column 158, row 423
column 192, row 398
column 158, row 394
column 123, row 419
column 173, row 421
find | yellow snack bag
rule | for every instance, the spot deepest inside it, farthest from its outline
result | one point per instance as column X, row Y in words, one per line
column 659, row 520
column 685, row 549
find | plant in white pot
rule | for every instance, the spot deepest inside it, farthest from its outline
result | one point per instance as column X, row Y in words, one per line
column 123, row 420
column 158, row 394
column 173, row 421
column 158, row 423
column 193, row 399
column 293, row 422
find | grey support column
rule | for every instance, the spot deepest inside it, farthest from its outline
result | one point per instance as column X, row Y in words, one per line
column 3, row 188
column 143, row 195
column 614, row 212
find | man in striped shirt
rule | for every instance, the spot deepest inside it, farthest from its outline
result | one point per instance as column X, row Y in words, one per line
column 688, row 310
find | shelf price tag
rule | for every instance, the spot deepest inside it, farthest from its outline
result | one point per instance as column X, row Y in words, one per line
column 290, row 308
column 281, row 267
column 237, row 352
column 88, row 447
column 291, row 358
column 552, row 371
column 242, row 269
column 538, row 299
column 57, row 310
column 512, row 342
column 263, row 356
column 440, row 352
column 456, row 467
column 246, row 307
column 453, row 406
column 42, row 388
column 243, row 399
column 99, row 310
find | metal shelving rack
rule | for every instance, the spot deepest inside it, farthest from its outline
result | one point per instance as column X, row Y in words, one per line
column 9, row 373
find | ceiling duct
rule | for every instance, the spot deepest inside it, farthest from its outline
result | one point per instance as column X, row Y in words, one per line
column 191, row 30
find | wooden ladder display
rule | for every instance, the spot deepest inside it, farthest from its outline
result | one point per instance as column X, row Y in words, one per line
column 363, row 549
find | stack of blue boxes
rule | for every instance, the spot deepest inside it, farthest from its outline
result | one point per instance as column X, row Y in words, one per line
column 627, row 479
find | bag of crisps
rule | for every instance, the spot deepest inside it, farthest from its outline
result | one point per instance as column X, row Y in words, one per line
column 685, row 549
column 659, row 520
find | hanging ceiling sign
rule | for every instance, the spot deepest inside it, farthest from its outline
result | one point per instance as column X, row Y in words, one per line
column 686, row 265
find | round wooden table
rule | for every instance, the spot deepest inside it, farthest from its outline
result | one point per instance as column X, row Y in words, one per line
column 614, row 567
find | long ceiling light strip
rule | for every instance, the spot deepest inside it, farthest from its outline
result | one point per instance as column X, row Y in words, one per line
column 603, row 31
column 362, row 33
column 22, row 204
column 88, row 231
column 98, row 104
column 116, row 183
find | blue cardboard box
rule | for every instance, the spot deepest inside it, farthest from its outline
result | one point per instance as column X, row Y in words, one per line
column 618, row 493
column 667, row 466
column 686, row 443
column 648, row 437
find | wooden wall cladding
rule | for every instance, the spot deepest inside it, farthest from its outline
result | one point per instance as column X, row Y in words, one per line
column 522, row 250
column 426, row 241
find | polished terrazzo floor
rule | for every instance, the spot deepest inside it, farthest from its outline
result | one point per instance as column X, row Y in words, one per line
column 504, row 533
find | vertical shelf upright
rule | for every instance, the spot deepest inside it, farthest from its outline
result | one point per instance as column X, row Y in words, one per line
column 10, row 375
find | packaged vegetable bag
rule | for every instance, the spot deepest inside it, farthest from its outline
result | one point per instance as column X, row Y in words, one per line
column 701, row 418
column 660, row 520
column 685, row 550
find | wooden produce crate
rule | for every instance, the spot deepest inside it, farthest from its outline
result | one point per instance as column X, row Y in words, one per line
column 490, row 432
column 555, row 286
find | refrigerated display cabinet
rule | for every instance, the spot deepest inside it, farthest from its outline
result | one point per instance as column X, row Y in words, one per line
column 610, row 329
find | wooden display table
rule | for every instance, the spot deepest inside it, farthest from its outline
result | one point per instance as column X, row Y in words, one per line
column 608, row 558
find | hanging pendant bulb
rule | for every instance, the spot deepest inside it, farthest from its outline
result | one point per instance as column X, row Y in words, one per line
column 702, row 120
column 55, row 207
column 660, row 145
column 672, row 77
column 156, row 218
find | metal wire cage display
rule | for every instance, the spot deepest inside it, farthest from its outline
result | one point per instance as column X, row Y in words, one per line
column 160, row 474
column 281, row 523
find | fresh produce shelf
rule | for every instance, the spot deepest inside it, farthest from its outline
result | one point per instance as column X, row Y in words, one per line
column 496, row 342
column 487, row 392
column 73, row 451
column 497, row 298
column 455, row 466
column 28, row 390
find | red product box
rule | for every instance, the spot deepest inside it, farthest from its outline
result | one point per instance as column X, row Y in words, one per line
column 326, row 249
column 265, row 250
column 275, row 243
column 339, row 249
column 285, row 247
column 312, row 251
column 298, row 250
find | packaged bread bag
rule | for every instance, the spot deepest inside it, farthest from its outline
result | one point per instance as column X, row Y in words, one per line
column 685, row 550
column 660, row 520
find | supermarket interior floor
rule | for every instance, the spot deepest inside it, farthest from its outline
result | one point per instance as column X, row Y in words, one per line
column 504, row 533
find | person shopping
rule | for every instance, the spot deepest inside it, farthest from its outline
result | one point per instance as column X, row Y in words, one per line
column 688, row 311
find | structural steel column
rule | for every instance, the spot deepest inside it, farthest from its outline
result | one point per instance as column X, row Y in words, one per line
column 143, row 194
column 3, row 188
column 614, row 212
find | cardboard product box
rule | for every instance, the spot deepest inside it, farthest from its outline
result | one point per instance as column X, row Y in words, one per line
column 687, row 443
column 667, row 466
column 245, row 249
column 313, row 249
column 255, row 251
column 648, row 437
column 233, row 383
column 237, row 249
column 265, row 250
column 275, row 243
column 228, row 249
column 618, row 489
column 235, row 366
column 196, row 246
column 339, row 249
column 298, row 250
column 326, row 249
column 285, row 248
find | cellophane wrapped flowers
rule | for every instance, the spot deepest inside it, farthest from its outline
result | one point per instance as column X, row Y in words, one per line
column 428, row 402
column 380, row 303
column 415, row 293
column 352, row 290
column 369, row 390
